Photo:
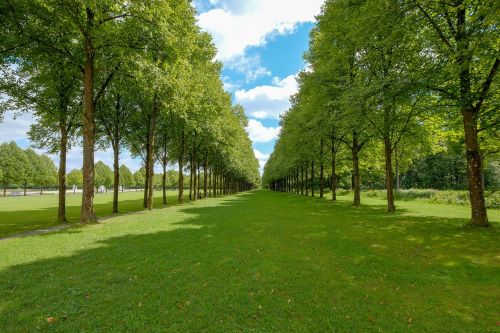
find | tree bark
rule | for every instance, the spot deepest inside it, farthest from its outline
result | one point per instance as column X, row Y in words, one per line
column 116, row 167
column 389, row 177
column 307, row 180
column 312, row 178
column 87, row 210
column 334, row 171
column 180, row 198
column 205, row 178
column 355, row 171
column 164, row 180
column 396, row 165
column 479, row 215
column 151, row 152
column 470, row 115
column 63, row 148
column 321, row 170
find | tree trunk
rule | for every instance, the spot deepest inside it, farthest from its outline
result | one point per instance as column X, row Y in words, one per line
column 198, row 182
column 396, row 156
column 321, row 171
column 146, row 181
column 180, row 198
column 116, row 167
column 307, row 180
column 334, row 170
column 470, row 115
column 87, row 210
column 389, row 177
column 164, row 180
column 312, row 178
column 301, row 180
column 355, row 171
column 479, row 215
column 151, row 147
column 191, row 179
column 61, row 174
column 205, row 178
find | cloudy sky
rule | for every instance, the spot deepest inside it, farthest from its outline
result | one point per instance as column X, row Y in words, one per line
column 260, row 42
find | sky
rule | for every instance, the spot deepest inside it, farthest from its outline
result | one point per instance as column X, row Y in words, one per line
column 261, row 44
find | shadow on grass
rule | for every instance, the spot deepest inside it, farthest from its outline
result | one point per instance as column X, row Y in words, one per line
column 21, row 221
column 259, row 261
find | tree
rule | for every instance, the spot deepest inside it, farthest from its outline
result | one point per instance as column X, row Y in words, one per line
column 13, row 164
column 462, row 64
column 75, row 178
column 103, row 175
column 126, row 177
column 140, row 177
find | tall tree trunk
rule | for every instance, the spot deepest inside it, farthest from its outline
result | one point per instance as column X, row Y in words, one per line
column 479, row 215
column 355, row 170
column 205, row 178
column 321, row 171
column 164, row 180
column 191, row 178
column 61, row 174
column 312, row 178
column 396, row 156
column 302, row 179
column 334, row 171
column 87, row 210
column 470, row 115
column 307, row 179
column 389, row 177
column 146, row 181
column 210, row 172
column 198, row 182
column 116, row 170
column 180, row 198
column 152, row 131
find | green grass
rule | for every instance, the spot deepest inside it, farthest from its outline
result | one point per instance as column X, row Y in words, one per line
column 21, row 214
column 258, row 262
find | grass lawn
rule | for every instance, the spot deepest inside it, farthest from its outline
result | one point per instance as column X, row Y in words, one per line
column 258, row 262
column 20, row 214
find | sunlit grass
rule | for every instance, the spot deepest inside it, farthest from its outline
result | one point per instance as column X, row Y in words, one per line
column 21, row 214
column 262, row 262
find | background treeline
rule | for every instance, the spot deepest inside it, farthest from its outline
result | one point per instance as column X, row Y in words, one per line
column 395, row 93
column 25, row 169
column 135, row 75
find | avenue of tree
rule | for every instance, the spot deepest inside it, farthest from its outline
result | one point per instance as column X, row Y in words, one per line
column 391, row 83
column 135, row 75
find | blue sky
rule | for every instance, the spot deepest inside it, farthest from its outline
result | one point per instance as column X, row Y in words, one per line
column 260, row 43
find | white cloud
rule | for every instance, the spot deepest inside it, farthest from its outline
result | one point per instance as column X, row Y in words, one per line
column 237, row 24
column 268, row 102
column 262, row 157
column 261, row 134
column 15, row 128
column 250, row 66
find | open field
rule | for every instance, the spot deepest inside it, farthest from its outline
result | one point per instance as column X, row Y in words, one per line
column 260, row 262
column 21, row 214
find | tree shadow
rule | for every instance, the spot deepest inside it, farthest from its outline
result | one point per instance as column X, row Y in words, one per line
column 256, row 261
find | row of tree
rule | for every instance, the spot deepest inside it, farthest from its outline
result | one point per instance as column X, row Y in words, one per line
column 25, row 168
column 124, row 74
column 389, row 82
